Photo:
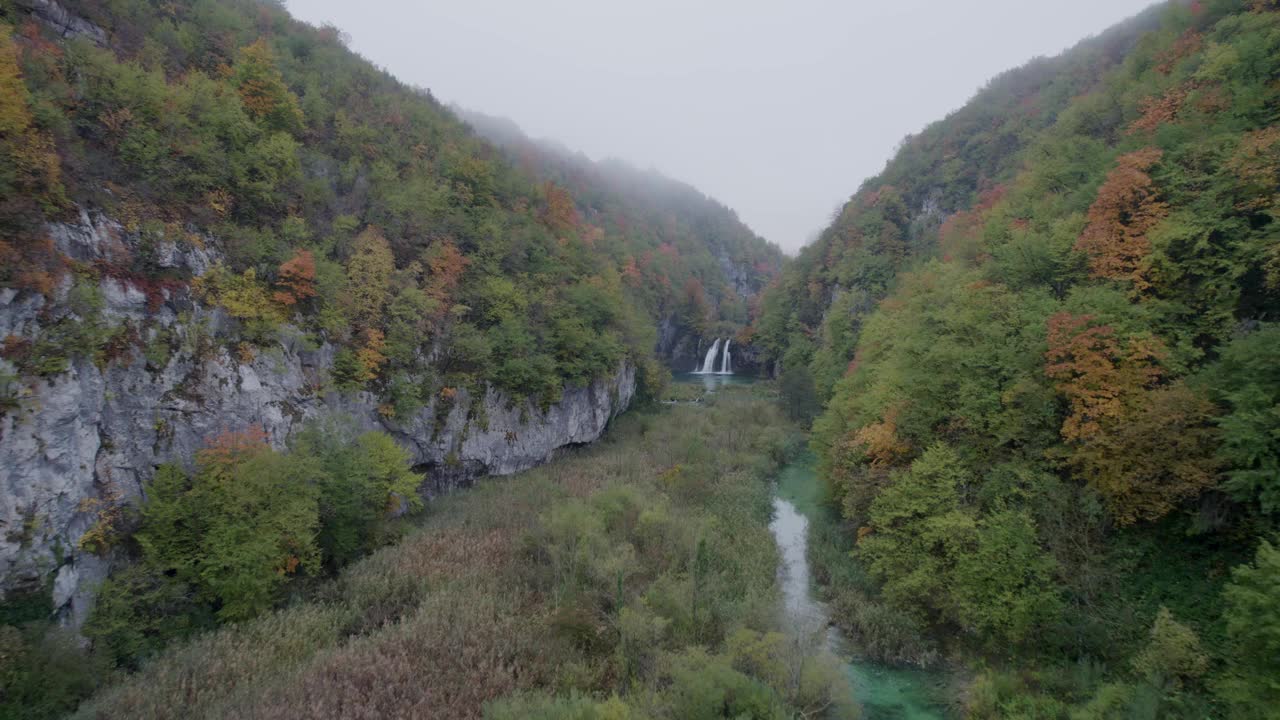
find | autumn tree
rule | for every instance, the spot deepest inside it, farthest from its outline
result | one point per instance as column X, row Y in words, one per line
column 445, row 265
column 631, row 274
column 262, row 89
column 296, row 279
column 1157, row 111
column 561, row 213
column 880, row 441
column 1096, row 375
column 369, row 272
column 1143, row 447
column 30, row 178
column 242, row 296
column 1126, row 209
column 371, row 353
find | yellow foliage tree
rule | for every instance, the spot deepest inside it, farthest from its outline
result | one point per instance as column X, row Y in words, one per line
column 369, row 277
column 263, row 91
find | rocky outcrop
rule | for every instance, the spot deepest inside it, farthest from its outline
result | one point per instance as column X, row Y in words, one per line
column 743, row 282
column 93, row 430
column 64, row 23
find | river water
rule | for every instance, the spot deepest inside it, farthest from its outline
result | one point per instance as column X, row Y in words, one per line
column 885, row 693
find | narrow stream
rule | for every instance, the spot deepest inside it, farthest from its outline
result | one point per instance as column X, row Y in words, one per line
column 885, row 693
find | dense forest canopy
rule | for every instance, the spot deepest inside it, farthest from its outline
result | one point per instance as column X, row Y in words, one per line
column 1041, row 349
column 707, row 237
column 358, row 209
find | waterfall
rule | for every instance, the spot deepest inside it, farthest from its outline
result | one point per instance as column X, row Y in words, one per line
column 709, row 362
column 726, row 367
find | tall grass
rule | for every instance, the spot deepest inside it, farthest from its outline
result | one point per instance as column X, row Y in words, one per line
column 593, row 576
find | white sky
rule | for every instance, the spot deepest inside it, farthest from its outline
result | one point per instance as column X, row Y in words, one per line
column 778, row 109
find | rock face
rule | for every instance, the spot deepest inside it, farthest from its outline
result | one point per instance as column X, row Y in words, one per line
column 67, row 25
column 95, row 431
column 684, row 350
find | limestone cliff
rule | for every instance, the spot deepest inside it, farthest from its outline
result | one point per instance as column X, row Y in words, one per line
column 101, row 428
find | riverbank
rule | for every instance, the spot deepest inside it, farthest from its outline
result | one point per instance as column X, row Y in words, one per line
column 883, row 691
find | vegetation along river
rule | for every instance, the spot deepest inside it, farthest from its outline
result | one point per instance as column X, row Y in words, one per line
column 885, row 693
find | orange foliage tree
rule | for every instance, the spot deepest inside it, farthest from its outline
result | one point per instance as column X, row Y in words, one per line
column 631, row 273
column 880, row 441
column 1095, row 374
column 1143, row 447
column 296, row 279
column 370, row 355
column 229, row 446
column 1157, row 111
column 1126, row 209
column 445, row 265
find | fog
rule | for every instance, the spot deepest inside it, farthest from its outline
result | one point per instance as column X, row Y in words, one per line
column 777, row 109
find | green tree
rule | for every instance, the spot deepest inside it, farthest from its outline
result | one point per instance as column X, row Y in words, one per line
column 1250, row 685
column 917, row 528
column 364, row 480
column 237, row 528
column 1246, row 380
column 1004, row 586
column 1173, row 653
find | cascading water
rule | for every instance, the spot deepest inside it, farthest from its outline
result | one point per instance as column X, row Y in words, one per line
column 709, row 362
column 726, row 367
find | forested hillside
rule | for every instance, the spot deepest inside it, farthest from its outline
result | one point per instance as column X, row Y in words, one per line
column 699, row 265
column 257, row 296
column 1042, row 352
column 358, row 207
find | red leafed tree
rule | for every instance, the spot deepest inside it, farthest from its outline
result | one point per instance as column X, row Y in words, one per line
column 960, row 236
column 296, row 279
column 1157, row 111
column 445, row 265
column 631, row 273
column 1126, row 209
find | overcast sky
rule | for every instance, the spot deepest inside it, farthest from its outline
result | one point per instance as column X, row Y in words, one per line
column 778, row 109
